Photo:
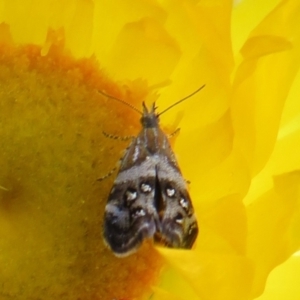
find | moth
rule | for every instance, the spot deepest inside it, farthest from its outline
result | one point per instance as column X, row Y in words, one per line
column 149, row 197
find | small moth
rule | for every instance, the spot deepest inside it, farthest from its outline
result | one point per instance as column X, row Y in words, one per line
column 149, row 197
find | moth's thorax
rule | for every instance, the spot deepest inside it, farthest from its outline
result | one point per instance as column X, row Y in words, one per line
column 149, row 120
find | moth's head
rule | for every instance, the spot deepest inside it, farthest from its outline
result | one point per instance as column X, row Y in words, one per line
column 149, row 118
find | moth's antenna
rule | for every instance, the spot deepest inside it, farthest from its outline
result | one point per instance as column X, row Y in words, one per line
column 122, row 101
column 181, row 100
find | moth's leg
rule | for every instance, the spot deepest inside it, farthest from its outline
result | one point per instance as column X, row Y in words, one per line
column 174, row 133
column 112, row 170
column 116, row 137
column 108, row 174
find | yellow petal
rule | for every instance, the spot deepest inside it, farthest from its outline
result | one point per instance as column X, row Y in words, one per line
column 246, row 15
column 283, row 282
column 274, row 227
column 213, row 275
column 260, row 88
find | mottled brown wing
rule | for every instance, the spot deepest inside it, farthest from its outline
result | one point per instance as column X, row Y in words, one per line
column 178, row 224
column 130, row 213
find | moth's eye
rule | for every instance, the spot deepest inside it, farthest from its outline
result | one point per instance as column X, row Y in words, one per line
column 146, row 188
column 138, row 212
column 130, row 195
column 183, row 202
column 170, row 192
column 179, row 218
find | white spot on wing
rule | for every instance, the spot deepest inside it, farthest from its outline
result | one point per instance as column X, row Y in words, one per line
column 136, row 154
column 170, row 192
column 179, row 221
column 139, row 213
column 183, row 203
column 146, row 188
column 130, row 195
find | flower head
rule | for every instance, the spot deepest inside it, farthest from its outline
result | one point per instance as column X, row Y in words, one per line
column 238, row 143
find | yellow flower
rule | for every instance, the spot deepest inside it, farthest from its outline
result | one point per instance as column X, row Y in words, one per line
column 238, row 144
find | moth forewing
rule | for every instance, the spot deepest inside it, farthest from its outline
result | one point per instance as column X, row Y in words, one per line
column 179, row 227
column 130, row 214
